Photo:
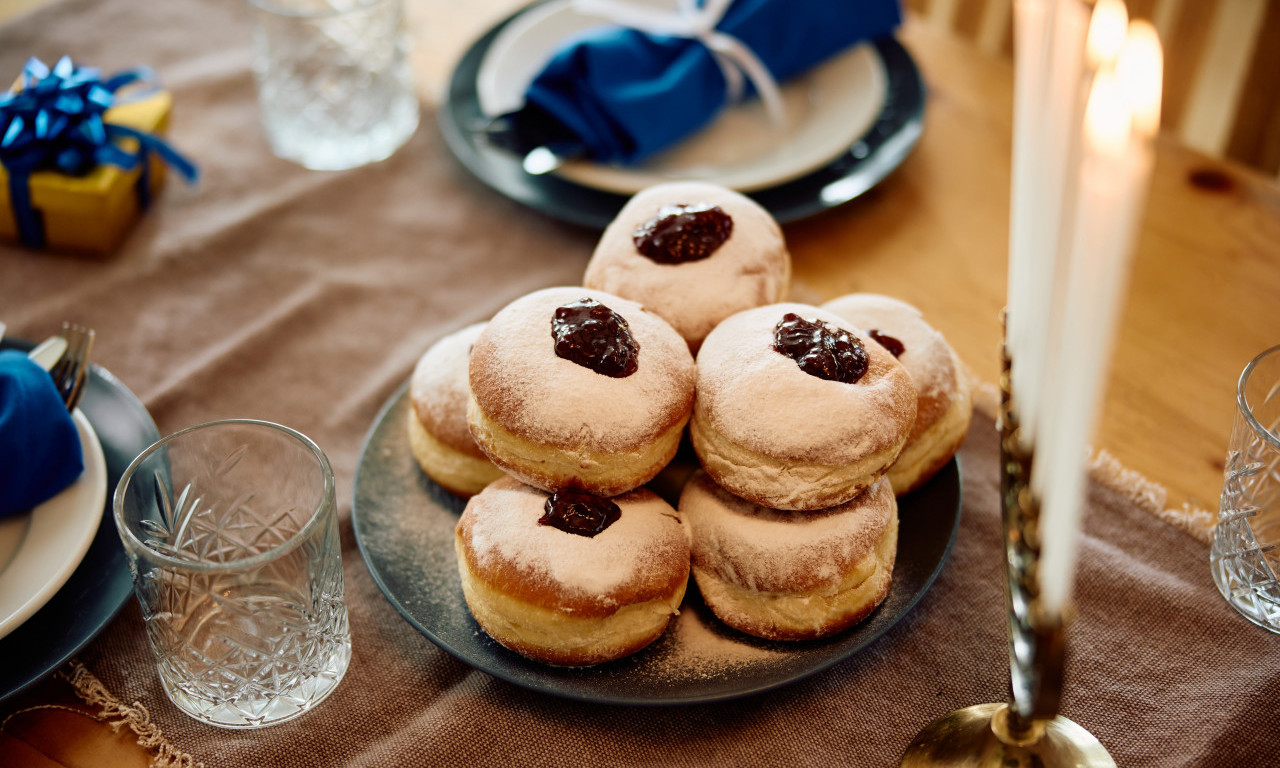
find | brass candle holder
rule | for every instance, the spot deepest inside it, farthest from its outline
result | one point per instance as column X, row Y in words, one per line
column 1027, row 730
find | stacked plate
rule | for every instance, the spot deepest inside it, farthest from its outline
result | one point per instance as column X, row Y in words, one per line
column 39, row 550
column 63, row 574
column 850, row 122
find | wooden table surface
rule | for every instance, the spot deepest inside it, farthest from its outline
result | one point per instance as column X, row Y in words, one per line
column 1203, row 298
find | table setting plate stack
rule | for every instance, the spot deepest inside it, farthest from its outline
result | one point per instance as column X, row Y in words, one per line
column 62, row 573
column 850, row 121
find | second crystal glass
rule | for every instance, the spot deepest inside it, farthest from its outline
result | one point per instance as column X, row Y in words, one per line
column 334, row 84
column 231, row 534
column 1245, row 558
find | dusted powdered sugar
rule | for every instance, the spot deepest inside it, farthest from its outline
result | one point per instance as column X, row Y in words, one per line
column 927, row 356
column 760, row 399
column 638, row 548
column 518, row 380
column 770, row 550
column 706, row 649
column 439, row 390
column 751, row 268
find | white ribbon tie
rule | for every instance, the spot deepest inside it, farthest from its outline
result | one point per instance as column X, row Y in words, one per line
column 687, row 20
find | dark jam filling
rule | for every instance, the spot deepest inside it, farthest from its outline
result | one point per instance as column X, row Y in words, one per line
column 895, row 347
column 680, row 233
column 580, row 513
column 590, row 334
column 820, row 349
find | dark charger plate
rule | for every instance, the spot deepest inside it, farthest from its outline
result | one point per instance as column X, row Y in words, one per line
column 101, row 584
column 404, row 526
column 868, row 160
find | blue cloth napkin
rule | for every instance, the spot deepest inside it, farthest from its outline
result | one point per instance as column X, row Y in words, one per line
column 619, row 95
column 39, row 444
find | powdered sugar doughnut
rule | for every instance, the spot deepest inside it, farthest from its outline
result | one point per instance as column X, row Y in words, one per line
column 944, row 406
column 791, row 575
column 438, row 434
column 567, row 598
column 786, row 439
column 702, row 267
column 555, row 423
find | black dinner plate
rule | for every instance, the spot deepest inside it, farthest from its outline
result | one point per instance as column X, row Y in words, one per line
column 404, row 527
column 867, row 161
column 101, row 584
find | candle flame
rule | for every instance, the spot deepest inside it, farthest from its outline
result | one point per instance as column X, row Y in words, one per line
column 1140, row 71
column 1107, row 116
column 1107, row 28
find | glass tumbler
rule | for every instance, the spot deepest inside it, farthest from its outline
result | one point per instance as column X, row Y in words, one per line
column 231, row 534
column 1245, row 555
column 334, row 84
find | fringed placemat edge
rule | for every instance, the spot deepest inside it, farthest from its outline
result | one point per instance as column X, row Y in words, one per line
column 117, row 715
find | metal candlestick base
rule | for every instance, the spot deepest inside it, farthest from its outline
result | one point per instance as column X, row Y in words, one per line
column 982, row 737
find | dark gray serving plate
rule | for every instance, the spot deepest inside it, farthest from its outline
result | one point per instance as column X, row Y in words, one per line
column 101, row 584
column 868, row 160
column 404, row 526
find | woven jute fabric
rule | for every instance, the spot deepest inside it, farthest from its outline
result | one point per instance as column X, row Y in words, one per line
column 305, row 298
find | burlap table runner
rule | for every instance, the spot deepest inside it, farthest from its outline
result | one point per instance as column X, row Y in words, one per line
column 305, row 298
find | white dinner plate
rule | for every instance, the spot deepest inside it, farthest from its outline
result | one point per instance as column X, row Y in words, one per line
column 827, row 109
column 41, row 549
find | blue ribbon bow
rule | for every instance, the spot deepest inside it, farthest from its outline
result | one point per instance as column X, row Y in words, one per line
column 54, row 122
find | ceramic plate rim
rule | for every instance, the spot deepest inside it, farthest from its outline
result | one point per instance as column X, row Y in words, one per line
column 558, row 688
column 832, row 125
column 65, row 524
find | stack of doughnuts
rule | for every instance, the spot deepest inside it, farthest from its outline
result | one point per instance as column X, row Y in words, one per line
column 804, row 421
column 582, row 397
column 798, row 417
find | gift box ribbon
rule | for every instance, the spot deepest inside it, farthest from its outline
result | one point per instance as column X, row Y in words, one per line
column 55, row 122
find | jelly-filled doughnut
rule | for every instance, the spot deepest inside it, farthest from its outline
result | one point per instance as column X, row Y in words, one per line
column 695, row 253
column 575, row 388
column 944, row 404
column 571, row 579
column 797, row 409
column 790, row 575
column 438, row 434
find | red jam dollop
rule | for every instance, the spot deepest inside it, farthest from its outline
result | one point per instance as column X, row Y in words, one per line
column 590, row 334
column 683, row 232
column 895, row 346
column 579, row 513
column 820, row 348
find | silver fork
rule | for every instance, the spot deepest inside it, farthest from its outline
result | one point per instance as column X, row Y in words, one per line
column 70, row 370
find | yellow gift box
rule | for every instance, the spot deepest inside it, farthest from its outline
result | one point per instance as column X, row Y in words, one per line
column 94, row 212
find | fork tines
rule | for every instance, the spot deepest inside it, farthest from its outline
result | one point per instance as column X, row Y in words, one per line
column 70, row 370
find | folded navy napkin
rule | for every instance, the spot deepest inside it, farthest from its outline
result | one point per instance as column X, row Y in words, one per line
column 39, row 445
column 620, row 95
